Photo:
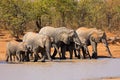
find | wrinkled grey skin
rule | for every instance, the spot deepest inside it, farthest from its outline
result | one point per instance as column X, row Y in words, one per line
column 72, row 48
column 22, row 50
column 40, row 44
column 92, row 36
column 60, row 35
column 16, row 49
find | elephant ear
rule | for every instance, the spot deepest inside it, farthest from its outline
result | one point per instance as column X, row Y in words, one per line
column 71, row 33
column 95, row 37
column 64, row 38
column 101, row 33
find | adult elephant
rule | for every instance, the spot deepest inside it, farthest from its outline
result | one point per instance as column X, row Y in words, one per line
column 59, row 36
column 92, row 36
column 39, row 43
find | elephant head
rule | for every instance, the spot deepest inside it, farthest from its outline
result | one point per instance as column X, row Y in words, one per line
column 73, row 37
column 100, row 36
column 28, row 48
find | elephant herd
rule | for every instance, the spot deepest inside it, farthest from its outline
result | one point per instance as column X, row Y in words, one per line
column 62, row 39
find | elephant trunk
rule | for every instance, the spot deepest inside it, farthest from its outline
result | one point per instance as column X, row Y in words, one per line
column 106, row 45
column 77, row 42
column 77, row 47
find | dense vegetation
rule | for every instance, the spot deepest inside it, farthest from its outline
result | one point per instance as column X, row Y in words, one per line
column 20, row 15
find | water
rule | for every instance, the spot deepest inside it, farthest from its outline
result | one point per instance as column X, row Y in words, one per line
column 61, row 70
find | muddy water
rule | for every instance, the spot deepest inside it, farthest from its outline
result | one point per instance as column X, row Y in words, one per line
column 61, row 70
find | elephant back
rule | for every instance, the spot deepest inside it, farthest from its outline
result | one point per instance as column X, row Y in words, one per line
column 12, row 46
column 21, row 46
column 49, row 31
column 29, row 36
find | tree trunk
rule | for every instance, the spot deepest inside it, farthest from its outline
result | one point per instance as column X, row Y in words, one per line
column 63, row 19
column 39, row 23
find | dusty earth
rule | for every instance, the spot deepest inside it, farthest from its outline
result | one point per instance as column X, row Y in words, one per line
column 102, row 53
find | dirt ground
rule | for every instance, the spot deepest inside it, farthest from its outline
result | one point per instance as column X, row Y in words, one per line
column 115, row 48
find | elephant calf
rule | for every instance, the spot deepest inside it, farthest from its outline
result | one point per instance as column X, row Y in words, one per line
column 72, row 48
column 40, row 44
column 16, row 49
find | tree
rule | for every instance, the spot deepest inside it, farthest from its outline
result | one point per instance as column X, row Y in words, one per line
column 13, row 14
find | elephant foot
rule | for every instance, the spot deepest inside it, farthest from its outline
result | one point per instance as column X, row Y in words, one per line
column 63, row 58
column 52, row 57
column 76, row 56
column 6, row 60
column 43, row 59
column 27, row 59
column 70, row 57
column 79, row 57
column 94, row 55
column 35, row 60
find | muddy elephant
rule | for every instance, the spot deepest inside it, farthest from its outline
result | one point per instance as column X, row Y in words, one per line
column 16, row 49
column 93, row 36
column 40, row 44
column 60, row 35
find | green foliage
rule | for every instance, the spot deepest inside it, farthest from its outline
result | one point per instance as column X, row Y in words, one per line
column 15, row 14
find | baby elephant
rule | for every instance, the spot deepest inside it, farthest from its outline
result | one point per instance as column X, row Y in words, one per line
column 16, row 49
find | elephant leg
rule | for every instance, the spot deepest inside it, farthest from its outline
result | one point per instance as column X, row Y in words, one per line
column 48, row 53
column 63, row 50
column 18, row 56
column 31, row 55
column 10, row 57
column 27, row 56
column 75, row 53
column 87, row 51
column 23, row 57
column 56, row 51
column 79, row 55
column 43, row 56
column 107, row 47
column 109, row 51
column 35, row 56
column 94, row 46
column 54, row 54
column 84, row 52
column 7, row 57
column 71, row 53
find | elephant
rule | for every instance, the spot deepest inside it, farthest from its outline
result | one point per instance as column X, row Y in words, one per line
column 72, row 48
column 16, row 49
column 22, row 50
column 40, row 44
column 59, row 36
column 93, row 36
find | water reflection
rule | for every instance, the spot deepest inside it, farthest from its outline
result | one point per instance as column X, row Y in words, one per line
column 61, row 70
